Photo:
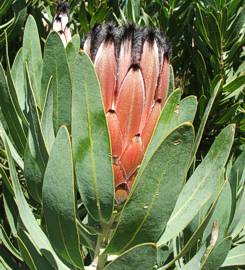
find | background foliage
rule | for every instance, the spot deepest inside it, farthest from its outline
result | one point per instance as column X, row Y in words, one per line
column 208, row 59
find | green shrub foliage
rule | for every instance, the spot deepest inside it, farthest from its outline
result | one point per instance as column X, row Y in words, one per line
column 186, row 208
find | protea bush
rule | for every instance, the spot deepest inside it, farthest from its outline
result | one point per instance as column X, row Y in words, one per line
column 99, row 166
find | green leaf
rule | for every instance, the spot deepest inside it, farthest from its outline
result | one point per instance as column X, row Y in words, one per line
column 6, row 181
column 14, row 152
column 194, row 263
column 155, row 192
column 18, row 75
column 236, row 256
column 234, row 84
column 12, row 89
column 237, row 178
column 197, row 234
column 91, row 146
column 32, row 173
column 7, row 262
column 10, row 115
column 47, row 118
column 32, row 55
column 201, row 25
column 40, row 150
column 199, row 188
column 37, row 235
column 5, row 5
column 166, row 123
column 59, row 200
column 141, row 257
column 234, row 30
column 32, row 256
column 71, row 57
column 186, row 110
column 214, row 259
column 221, row 213
column 238, row 222
column 76, row 41
column 10, row 207
column 36, row 155
column 86, row 238
column 8, row 244
column 55, row 65
column 214, row 34
column 216, row 86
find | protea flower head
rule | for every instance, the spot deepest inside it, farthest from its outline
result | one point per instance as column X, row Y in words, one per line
column 61, row 22
column 132, row 65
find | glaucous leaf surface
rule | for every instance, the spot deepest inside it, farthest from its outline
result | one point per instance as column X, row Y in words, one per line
column 32, row 227
column 236, row 256
column 55, row 65
column 199, row 188
column 59, row 200
column 90, row 141
column 157, row 186
column 32, row 56
column 10, row 115
column 140, row 257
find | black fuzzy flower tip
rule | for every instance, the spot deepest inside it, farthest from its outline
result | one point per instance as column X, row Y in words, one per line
column 108, row 32
column 62, row 7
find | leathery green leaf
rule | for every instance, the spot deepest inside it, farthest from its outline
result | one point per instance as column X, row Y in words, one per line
column 10, row 115
column 165, row 124
column 12, row 88
column 141, row 257
column 47, row 118
column 216, row 256
column 40, row 150
column 14, row 152
column 59, row 200
column 216, row 86
column 199, row 188
column 10, row 207
column 32, row 55
column 194, row 263
column 37, row 235
column 197, row 234
column 187, row 110
column 171, row 86
column 91, row 146
column 175, row 112
column 236, row 256
column 36, row 155
column 221, row 213
column 18, row 74
column 32, row 173
column 33, row 258
column 155, row 192
column 8, row 244
column 55, row 65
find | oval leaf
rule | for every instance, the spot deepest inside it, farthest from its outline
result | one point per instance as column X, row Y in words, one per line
column 59, row 200
column 199, row 188
column 91, row 146
column 154, row 195
column 10, row 115
column 32, row 55
column 38, row 237
column 55, row 65
column 236, row 256
column 141, row 257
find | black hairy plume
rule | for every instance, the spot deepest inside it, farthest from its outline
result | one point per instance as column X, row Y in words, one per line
column 62, row 7
column 108, row 32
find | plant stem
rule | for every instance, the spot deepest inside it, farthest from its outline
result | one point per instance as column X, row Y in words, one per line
column 102, row 241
